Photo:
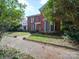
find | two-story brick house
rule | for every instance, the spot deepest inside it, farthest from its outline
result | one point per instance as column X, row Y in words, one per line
column 35, row 23
column 38, row 23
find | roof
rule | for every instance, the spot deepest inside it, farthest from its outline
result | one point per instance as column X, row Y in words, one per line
column 34, row 15
column 42, row 8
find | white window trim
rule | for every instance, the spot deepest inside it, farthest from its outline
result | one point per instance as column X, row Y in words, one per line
column 54, row 27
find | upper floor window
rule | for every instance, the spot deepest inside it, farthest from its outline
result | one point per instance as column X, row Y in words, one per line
column 32, row 19
column 38, row 19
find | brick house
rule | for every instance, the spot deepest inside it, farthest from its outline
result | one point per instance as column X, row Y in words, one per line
column 38, row 23
column 35, row 23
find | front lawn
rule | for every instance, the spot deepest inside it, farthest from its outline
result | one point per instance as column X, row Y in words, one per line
column 45, row 38
column 18, row 33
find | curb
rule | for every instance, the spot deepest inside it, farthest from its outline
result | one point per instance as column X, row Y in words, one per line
column 75, row 49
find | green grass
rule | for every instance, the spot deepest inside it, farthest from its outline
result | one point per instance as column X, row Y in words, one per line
column 18, row 33
column 38, row 38
column 46, row 38
column 58, row 40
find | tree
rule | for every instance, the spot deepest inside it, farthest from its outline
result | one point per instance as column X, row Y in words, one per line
column 11, row 13
column 68, row 11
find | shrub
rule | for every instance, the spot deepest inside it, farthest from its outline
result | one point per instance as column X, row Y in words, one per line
column 72, row 32
column 15, row 58
column 13, row 54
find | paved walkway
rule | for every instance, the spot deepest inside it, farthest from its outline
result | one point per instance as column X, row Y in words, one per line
column 40, row 51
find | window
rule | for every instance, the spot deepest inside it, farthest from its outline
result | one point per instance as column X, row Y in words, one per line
column 52, row 27
column 32, row 19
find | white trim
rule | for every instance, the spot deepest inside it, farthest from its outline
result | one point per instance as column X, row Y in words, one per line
column 54, row 26
column 37, row 22
column 32, row 19
column 44, row 26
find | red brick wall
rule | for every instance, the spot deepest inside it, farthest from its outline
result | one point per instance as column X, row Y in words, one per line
column 40, row 26
column 38, row 18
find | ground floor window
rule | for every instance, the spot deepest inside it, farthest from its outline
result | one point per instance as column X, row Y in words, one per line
column 52, row 27
column 24, row 27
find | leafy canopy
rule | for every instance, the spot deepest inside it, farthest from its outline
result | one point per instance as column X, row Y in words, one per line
column 11, row 13
column 66, row 9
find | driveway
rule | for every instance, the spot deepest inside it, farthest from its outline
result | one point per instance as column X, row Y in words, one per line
column 39, row 50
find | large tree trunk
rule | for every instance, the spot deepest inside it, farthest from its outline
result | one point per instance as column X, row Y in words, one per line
column 58, row 24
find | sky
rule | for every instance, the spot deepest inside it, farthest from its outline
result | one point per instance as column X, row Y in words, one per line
column 33, row 6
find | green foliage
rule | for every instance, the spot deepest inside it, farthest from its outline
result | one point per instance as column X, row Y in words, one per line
column 11, row 13
column 47, row 11
column 15, row 58
column 72, row 31
column 67, row 10
column 13, row 54
column 52, row 9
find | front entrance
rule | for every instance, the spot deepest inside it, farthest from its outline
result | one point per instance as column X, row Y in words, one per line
column 57, row 24
column 38, row 27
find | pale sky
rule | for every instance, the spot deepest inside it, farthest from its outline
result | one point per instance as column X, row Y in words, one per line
column 33, row 6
